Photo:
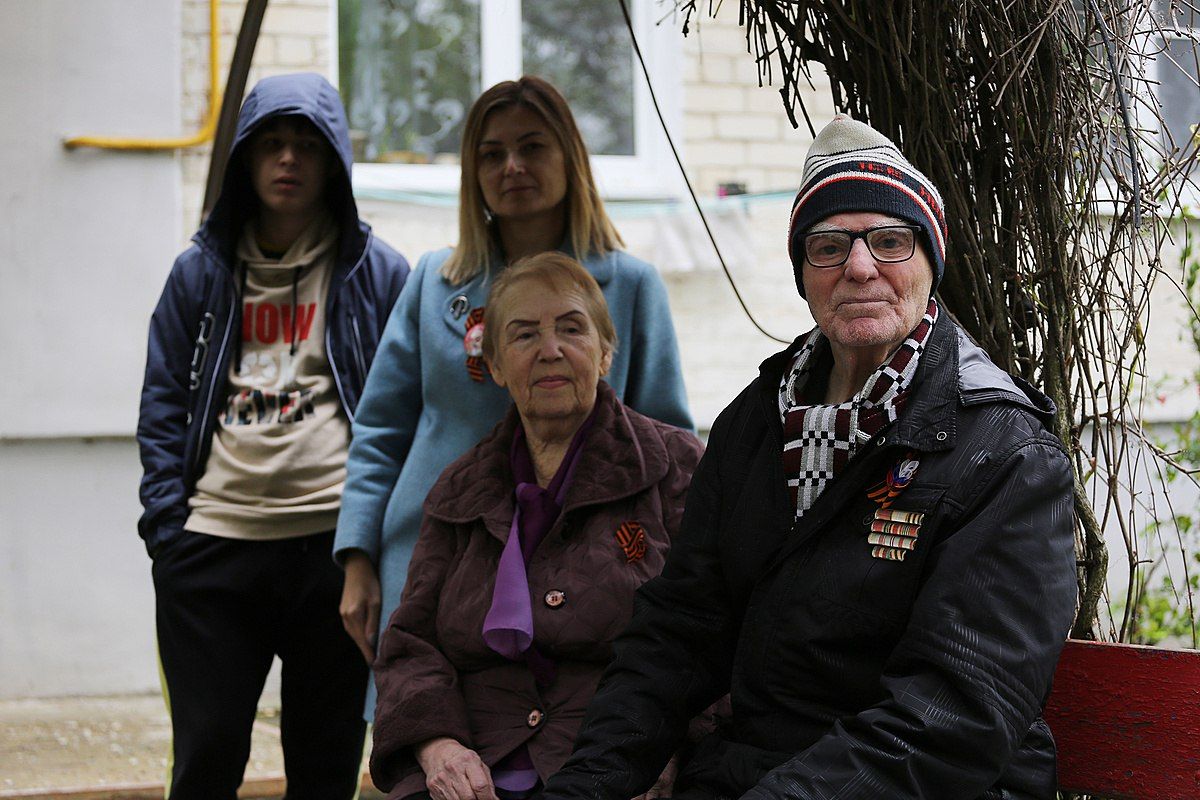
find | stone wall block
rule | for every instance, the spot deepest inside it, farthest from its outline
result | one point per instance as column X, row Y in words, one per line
column 691, row 66
column 296, row 20
column 767, row 100
column 194, row 17
column 716, row 36
column 715, row 98
column 295, row 51
column 323, row 55
column 716, row 69
column 784, row 153
column 699, row 127
column 748, row 127
column 266, row 51
column 715, row 153
column 746, row 73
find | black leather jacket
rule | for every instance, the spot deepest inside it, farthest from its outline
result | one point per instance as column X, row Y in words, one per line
column 852, row 676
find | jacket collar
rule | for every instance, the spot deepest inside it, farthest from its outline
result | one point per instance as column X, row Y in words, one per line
column 953, row 371
column 623, row 454
column 981, row 381
column 601, row 265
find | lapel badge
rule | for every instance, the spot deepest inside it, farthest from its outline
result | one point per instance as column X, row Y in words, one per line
column 898, row 479
column 893, row 532
column 632, row 538
column 473, row 344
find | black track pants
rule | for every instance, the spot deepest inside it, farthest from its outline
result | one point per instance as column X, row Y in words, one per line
column 225, row 608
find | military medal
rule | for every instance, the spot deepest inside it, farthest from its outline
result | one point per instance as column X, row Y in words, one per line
column 893, row 532
column 473, row 344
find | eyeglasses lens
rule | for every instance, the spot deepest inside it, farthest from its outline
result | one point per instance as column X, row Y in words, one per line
column 890, row 244
column 828, row 248
column 886, row 244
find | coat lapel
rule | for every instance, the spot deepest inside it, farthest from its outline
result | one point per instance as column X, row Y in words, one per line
column 459, row 301
column 623, row 455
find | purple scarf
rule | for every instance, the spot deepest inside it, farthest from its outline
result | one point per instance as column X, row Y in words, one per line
column 508, row 626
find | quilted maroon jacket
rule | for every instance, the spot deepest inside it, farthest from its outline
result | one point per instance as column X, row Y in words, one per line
column 435, row 675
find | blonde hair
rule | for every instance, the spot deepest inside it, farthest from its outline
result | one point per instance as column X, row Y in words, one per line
column 588, row 226
column 554, row 271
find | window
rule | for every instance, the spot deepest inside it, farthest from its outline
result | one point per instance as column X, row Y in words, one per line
column 409, row 70
column 1179, row 76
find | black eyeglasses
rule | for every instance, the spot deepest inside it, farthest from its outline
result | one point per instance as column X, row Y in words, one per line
column 887, row 244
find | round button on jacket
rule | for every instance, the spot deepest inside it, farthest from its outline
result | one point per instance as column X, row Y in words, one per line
column 555, row 598
column 535, row 718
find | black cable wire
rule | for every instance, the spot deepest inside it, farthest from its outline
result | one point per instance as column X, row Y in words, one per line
column 695, row 200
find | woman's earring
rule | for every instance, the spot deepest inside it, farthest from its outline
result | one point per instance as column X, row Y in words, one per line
column 488, row 216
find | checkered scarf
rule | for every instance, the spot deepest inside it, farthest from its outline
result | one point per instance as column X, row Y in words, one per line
column 819, row 440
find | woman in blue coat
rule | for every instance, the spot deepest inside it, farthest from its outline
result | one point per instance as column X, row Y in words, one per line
column 526, row 188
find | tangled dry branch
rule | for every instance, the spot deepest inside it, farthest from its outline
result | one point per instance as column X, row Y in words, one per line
column 1037, row 121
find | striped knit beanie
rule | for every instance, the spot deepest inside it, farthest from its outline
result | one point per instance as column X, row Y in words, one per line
column 853, row 167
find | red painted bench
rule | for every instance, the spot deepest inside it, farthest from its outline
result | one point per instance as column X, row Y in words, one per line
column 1126, row 720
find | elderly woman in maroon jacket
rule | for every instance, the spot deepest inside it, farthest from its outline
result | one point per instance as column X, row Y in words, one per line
column 532, row 546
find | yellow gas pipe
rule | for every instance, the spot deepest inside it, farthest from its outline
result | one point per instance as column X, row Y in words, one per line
column 199, row 137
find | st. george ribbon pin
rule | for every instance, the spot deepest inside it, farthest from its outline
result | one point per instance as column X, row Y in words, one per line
column 473, row 344
column 898, row 479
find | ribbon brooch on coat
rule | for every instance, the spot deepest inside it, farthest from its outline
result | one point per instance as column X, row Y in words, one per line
column 631, row 536
column 894, row 533
column 473, row 345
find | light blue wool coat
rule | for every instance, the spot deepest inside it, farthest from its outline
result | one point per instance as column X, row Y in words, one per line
column 420, row 409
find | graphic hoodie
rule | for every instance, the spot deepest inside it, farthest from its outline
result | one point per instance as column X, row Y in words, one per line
column 199, row 333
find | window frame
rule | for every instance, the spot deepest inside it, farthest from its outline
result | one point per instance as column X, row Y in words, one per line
column 649, row 174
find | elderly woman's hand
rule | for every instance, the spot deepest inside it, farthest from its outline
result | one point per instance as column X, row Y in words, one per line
column 665, row 785
column 454, row 772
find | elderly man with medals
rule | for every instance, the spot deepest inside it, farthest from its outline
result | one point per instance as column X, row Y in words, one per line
column 876, row 559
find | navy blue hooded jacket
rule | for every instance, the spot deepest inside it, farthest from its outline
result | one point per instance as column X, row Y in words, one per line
column 196, row 325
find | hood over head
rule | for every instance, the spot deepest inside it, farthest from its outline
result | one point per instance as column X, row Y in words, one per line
column 302, row 94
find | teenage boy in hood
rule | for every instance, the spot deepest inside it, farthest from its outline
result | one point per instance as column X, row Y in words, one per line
column 258, row 351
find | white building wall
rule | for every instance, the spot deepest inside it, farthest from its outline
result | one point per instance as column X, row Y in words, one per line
column 76, row 601
column 735, row 130
column 86, row 238
column 83, row 236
